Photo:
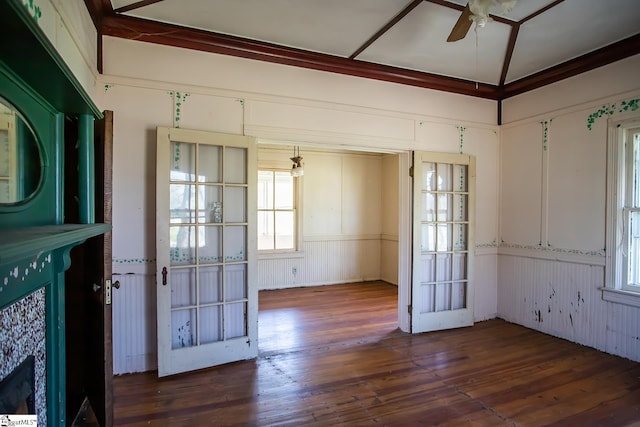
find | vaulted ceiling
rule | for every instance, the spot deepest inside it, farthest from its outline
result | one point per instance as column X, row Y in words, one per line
column 403, row 41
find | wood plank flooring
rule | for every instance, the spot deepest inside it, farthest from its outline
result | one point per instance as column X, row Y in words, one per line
column 333, row 356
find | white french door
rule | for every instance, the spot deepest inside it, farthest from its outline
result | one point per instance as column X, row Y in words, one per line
column 443, row 229
column 207, row 296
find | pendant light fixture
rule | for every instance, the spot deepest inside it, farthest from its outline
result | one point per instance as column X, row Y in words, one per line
column 297, row 169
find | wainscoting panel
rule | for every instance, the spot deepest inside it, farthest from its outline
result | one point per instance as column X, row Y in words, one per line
column 134, row 324
column 563, row 299
column 323, row 262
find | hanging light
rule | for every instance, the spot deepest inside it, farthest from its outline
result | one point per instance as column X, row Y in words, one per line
column 297, row 169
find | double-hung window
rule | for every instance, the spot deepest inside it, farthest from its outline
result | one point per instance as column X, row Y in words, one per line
column 276, row 211
column 623, row 209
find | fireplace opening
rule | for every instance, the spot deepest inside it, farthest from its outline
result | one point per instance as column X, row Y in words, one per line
column 17, row 390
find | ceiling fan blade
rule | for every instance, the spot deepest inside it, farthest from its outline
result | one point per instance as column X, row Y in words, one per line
column 461, row 28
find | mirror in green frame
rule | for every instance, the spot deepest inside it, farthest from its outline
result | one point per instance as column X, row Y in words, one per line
column 20, row 163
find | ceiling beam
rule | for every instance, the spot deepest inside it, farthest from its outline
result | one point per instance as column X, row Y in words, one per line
column 386, row 28
column 136, row 5
column 172, row 35
column 598, row 58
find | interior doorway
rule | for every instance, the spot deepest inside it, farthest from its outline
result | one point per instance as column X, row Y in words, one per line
column 389, row 235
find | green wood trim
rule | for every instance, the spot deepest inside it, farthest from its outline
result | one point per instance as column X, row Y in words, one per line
column 86, row 169
column 27, row 50
column 57, row 159
column 19, row 243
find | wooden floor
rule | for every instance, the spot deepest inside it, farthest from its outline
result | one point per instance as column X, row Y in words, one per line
column 334, row 356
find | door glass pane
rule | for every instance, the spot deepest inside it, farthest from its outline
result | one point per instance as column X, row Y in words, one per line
column 182, row 203
column 444, row 177
column 445, row 237
column 443, row 267
column 182, row 243
column 459, row 296
column 209, row 166
column 460, row 238
column 210, row 324
column 265, row 230
column 183, row 328
column 428, row 207
column 429, row 176
column 235, row 320
column 460, row 207
column 210, row 196
column 427, row 298
column 459, row 266
column 183, row 287
column 428, row 236
column 428, row 268
column 210, row 243
column 210, row 284
column 460, row 177
column 443, row 296
column 235, row 243
column 183, row 161
column 284, row 230
column 236, row 282
column 235, row 169
column 445, row 213
column 235, row 199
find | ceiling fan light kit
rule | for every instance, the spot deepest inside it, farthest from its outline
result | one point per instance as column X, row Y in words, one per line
column 477, row 11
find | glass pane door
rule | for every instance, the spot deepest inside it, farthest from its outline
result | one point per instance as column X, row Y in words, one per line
column 205, row 297
column 443, row 194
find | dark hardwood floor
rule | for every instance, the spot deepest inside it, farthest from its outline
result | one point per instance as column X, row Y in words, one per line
column 334, row 356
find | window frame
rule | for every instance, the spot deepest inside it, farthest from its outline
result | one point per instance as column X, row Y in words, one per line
column 616, row 289
column 297, row 229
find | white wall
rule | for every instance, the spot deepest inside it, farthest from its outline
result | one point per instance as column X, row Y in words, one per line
column 149, row 85
column 552, row 249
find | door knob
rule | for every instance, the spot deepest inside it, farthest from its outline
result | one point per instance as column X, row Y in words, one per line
column 96, row 287
column 116, row 284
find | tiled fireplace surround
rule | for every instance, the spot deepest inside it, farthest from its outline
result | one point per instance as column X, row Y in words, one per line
column 23, row 333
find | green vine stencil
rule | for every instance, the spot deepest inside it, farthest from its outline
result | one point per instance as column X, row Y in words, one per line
column 133, row 260
column 609, row 110
column 107, row 86
column 34, row 9
column 461, row 130
column 549, row 248
column 545, row 134
column 179, row 98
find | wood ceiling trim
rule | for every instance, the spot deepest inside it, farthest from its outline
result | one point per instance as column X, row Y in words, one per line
column 511, row 45
column 171, row 35
column 386, row 28
column 136, row 5
column 598, row 58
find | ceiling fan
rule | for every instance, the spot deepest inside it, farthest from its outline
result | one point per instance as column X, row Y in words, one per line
column 477, row 11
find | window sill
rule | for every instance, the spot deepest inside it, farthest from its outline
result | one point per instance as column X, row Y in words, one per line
column 621, row 297
column 280, row 255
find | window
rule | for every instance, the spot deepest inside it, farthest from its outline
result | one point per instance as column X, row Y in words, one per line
column 276, row 211
column 623, row 214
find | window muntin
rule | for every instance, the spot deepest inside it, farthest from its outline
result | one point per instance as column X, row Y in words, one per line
column 276, row 211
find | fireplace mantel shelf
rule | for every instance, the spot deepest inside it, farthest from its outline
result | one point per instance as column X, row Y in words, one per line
column 24, row 242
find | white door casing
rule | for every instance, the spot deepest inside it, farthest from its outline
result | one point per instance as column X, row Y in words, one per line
column 443, row 241
column 207, row 292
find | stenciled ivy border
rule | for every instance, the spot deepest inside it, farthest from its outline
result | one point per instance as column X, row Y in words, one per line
column 545, row 133
column 461, row 130
column 179, row 98
column 549, row 248
column 610, row 110
column 33, row 8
